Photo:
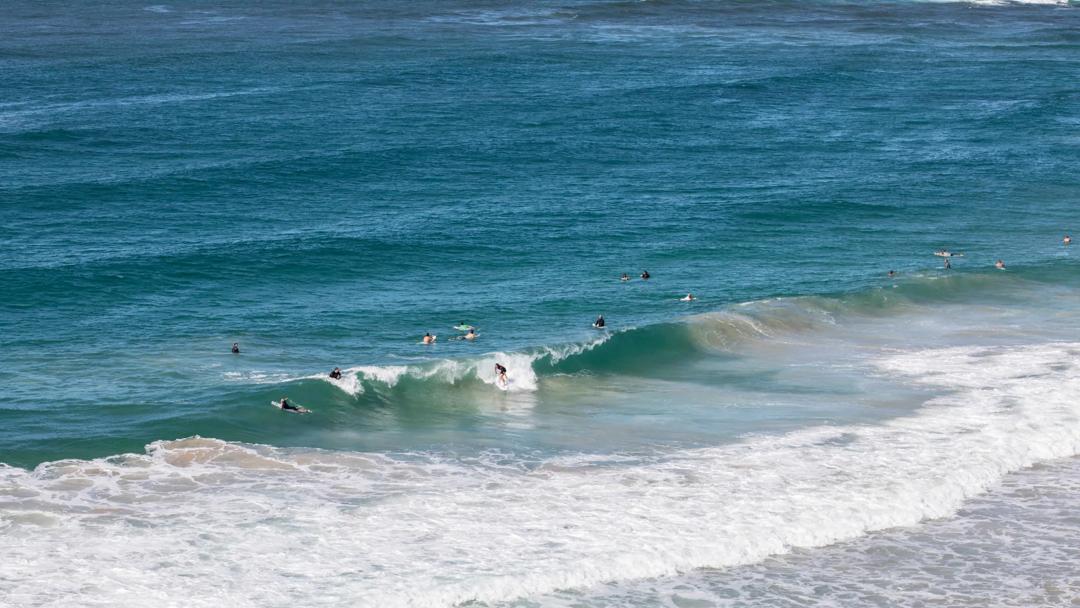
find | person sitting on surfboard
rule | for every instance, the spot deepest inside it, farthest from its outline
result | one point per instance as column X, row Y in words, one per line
column 1000, row 265
column 599, row 323
column 645, row 275
column 470, row 335
column 285, row 405
column 336, row 373
column 428, row 338
column 500, row 373
column 236, row 348
column 625, row 277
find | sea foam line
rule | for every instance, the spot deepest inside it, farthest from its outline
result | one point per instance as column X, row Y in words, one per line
column 199, row 521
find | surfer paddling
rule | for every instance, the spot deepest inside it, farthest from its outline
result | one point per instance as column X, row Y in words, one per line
column 285, row 405
column 689, row 298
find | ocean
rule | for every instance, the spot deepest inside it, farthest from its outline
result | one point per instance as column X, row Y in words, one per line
column 325, row 182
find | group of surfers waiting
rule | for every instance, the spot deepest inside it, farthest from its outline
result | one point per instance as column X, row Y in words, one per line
column 947, row 256
column 500, row 370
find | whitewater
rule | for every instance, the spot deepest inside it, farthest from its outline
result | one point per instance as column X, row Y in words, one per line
column 199, row 521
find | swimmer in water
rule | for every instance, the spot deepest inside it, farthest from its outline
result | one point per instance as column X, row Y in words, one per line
column 336, row 373
column 948, row 264
column 470, row 335
column 500, row 374
column 428, row 338
column 1000, row 265
column 285, row 405
column 599, row 322
column 689, row 298
column 236, row 348
column 625, row 277
column 645, row 275
column 892, row 273
column 1067, row 240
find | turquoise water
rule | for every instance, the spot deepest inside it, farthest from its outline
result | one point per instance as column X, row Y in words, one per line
column 324, row 184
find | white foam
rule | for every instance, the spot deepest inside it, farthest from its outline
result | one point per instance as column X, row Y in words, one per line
column 200, row 522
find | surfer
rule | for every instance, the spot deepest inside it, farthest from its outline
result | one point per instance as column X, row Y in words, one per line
column 1000, row 265
column 892, row 273
column 285, row 405
column 689, row 298
column 336, row 373
column 236, row 348
column 625, row 277
column 1067, row 240
column 428, row 338
column 645, row 275
column 948, row 264
column 500, row 374
column 599, row 322
column 470, row 335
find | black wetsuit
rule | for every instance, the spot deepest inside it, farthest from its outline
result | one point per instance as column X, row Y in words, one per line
column 336, row 375
column 599, row 322
column 285, row 405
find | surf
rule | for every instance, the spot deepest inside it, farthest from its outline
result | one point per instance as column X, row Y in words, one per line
column 501, row 526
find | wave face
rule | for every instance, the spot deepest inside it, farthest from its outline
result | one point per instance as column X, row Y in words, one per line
column 499, row 526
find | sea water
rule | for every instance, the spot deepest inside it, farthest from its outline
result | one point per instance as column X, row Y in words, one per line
column 325, row 183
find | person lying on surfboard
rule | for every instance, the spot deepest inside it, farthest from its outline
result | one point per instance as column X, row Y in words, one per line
column 285, row 405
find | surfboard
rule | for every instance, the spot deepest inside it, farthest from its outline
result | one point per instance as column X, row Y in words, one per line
column 948, row 254
column 463, row 327
column 302, row 410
